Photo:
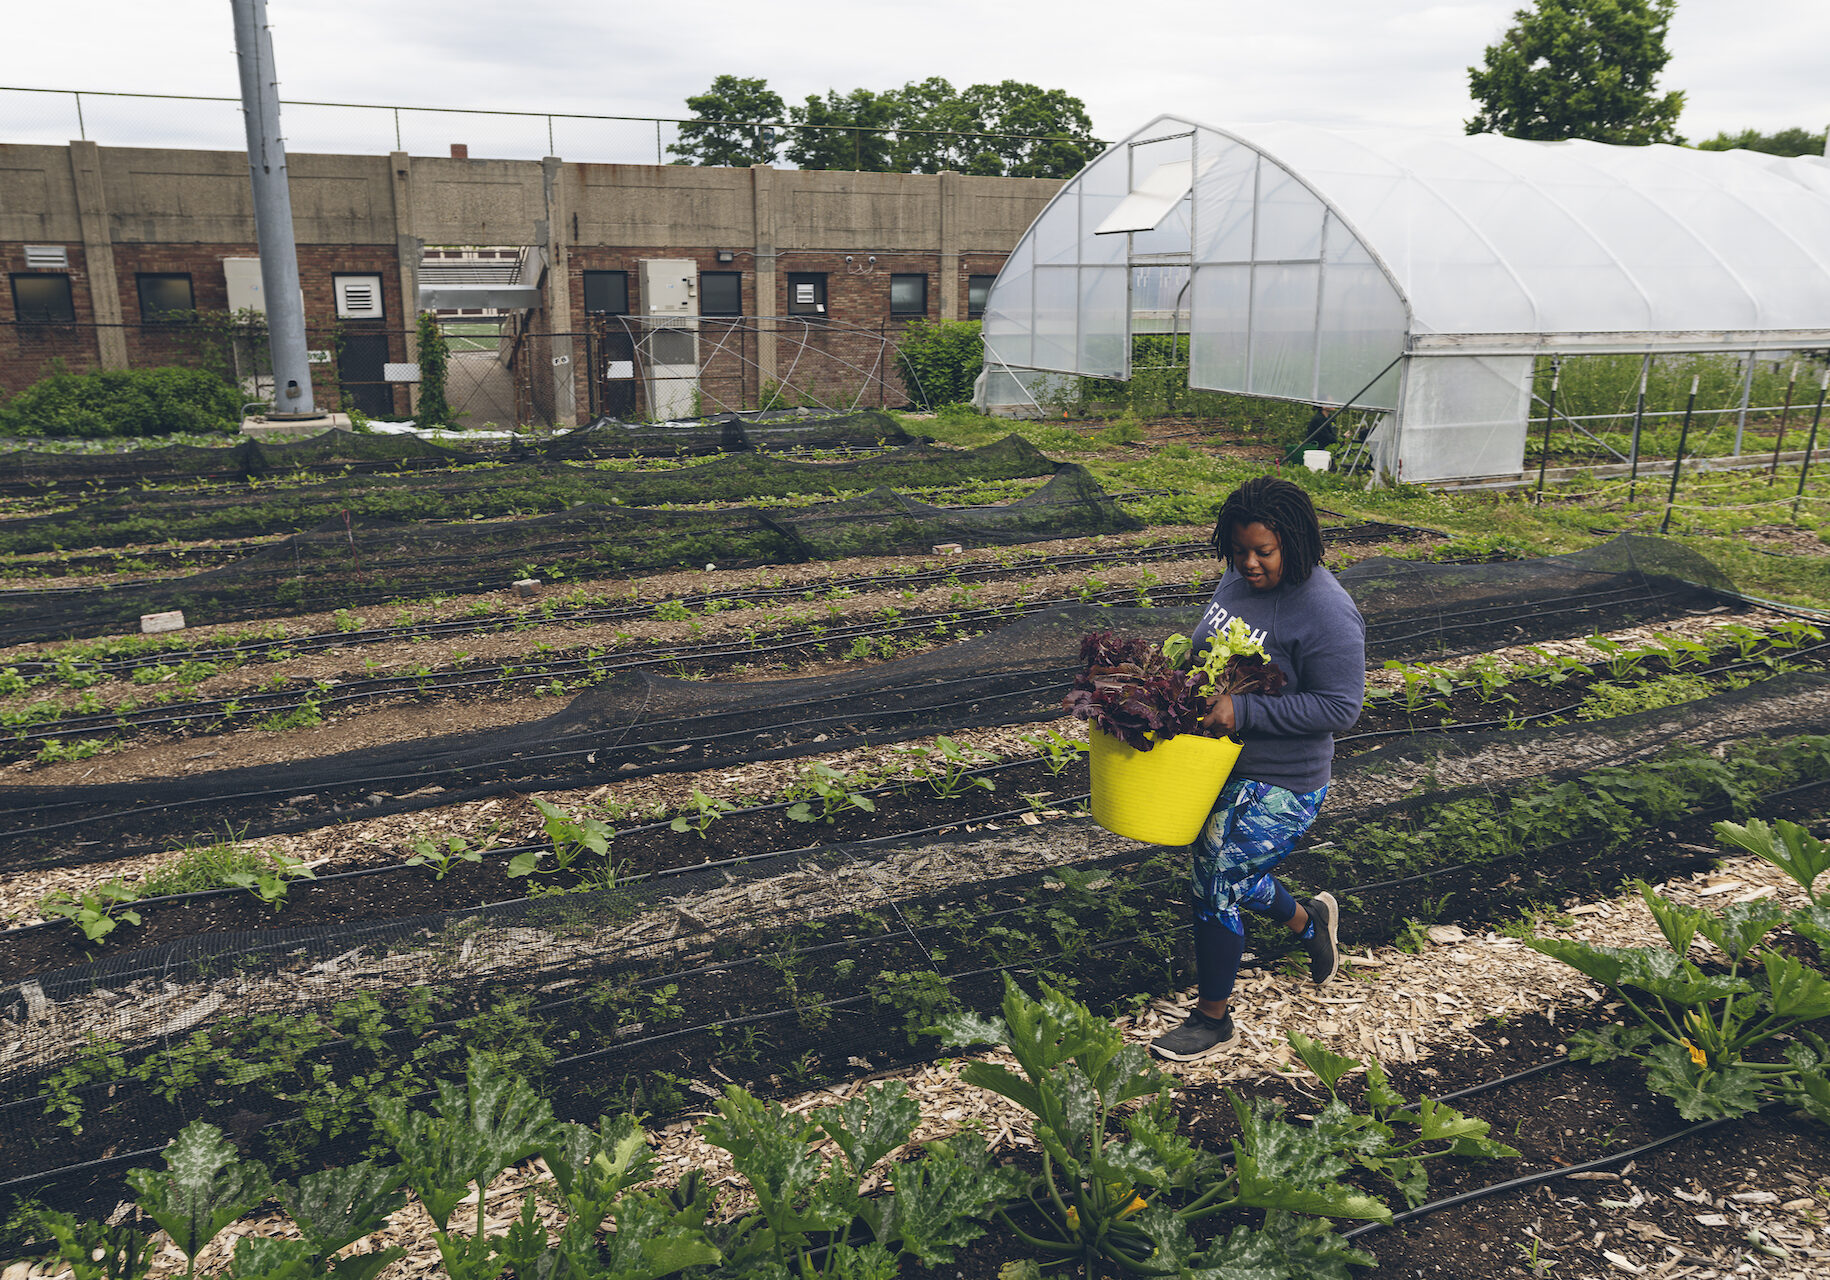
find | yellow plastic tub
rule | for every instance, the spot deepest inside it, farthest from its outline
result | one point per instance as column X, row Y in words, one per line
column 1163, row 795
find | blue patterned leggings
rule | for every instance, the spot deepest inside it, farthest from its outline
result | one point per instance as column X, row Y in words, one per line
column 1252, row 828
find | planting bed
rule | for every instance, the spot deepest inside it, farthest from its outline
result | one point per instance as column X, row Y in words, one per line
column 1688, row 1208
column 1015, row 792
column 1504, row 765
column 754, row 967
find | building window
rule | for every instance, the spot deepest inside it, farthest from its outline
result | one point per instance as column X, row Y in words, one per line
column 165, row 298
column 806, row 294
column 607, row 293
column 43, row 299
column 978, row 288
column 909, row 295
column 721, row 293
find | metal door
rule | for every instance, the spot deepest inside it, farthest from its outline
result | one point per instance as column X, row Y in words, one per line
column 613, row 354
column 361, row 361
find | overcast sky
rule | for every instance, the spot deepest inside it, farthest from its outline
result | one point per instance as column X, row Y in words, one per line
column 1335, row 62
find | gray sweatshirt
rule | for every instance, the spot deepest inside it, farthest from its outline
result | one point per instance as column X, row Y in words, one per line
column 1315, row 634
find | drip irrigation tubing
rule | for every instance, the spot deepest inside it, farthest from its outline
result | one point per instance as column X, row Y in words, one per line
column 558, row 666
column 488, row 789
column 450, row 680
column 504, row 852
column 869, row 842
column 1545, row 1175
column 1469, row 726
column 969, row 570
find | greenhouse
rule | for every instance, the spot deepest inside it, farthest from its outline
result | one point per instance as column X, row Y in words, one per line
column 1412, row 275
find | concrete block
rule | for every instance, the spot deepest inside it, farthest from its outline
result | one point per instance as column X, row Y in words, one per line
column 151, row 624
column 269, row 428
column 947, row 548
column 527, row 588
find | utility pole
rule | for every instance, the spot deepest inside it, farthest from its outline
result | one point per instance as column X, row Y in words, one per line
column 260, row 98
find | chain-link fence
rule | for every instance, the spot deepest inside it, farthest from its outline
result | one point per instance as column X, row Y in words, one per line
column 54, row 117
column 502, row 373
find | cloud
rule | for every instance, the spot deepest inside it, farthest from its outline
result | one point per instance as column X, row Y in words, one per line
column 1333, row 62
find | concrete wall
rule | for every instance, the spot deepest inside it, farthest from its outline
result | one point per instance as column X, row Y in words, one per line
column 123, row 211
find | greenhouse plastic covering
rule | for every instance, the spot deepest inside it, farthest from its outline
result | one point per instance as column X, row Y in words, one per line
column 1410, row 272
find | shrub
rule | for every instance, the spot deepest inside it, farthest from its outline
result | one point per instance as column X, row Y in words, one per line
column 939, row 360
column 434, row 356
column 123, row 402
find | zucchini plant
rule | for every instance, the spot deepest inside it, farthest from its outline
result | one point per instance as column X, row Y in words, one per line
column 1119, row 1190
column 1697, row 1028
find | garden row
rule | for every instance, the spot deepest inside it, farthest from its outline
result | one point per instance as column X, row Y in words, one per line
column 921, row 789
column 643, row 725
column 497, row 492
column 68, row 728
column 772, row 968
column 29, row 470
column 1118, row 1184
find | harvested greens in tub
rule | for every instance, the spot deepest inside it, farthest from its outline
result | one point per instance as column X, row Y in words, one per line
column 1144, row 694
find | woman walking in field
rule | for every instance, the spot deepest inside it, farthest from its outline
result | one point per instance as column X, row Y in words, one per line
column 1270, row 541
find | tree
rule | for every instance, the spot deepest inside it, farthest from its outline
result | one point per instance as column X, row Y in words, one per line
column 733, row 126
column 1787, row 142
column 935, row 128
column 924, row 127
column 1579, row 69
column 844, row 132
column 1060, row 138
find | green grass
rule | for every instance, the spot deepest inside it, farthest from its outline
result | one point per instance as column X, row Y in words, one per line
column 1713, row 508
column 201, row 867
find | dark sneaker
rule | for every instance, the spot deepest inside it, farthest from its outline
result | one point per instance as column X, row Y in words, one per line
column 1323, row 948
column 1198, row 1037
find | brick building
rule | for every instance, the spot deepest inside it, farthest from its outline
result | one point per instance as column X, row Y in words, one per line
column 111, row 255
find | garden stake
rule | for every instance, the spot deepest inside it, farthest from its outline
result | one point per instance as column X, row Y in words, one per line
column 1639, row 417
column 1550, row 414
column 1747, row 390
column 1677, row 464
column 1804, row 467
column 1772, row 472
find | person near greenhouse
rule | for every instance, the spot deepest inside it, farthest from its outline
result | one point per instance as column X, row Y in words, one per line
column 1270, row 542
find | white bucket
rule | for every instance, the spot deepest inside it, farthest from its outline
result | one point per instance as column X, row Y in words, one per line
column 1317, row 459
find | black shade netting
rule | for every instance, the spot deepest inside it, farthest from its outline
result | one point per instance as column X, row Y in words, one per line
column 729, row 433
column 787, row 972
column 349, row 561
column 250, row 459
column 1414, row 609
column 884, row 522
column 641, row 723
column 498, row 491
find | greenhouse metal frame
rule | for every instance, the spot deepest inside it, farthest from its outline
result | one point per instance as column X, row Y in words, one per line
column 1418, row 276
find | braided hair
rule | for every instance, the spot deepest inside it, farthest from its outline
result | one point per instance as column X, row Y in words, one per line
column 1281, row 507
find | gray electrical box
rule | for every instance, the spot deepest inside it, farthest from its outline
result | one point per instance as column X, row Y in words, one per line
column 670, row 336
column 670, row 287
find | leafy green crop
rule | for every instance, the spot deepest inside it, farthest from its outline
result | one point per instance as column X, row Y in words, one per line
column 1696, row 1028
column 98, row 912
column 1128, row 1192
